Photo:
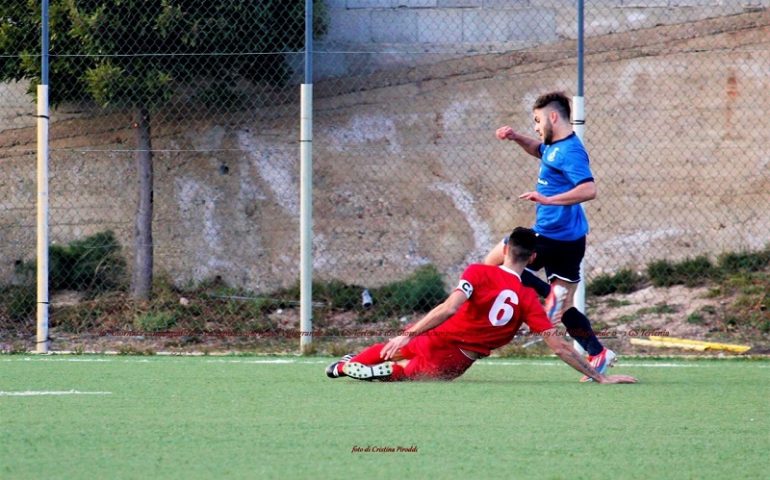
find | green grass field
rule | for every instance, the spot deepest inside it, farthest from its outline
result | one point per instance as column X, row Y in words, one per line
column 280, row 417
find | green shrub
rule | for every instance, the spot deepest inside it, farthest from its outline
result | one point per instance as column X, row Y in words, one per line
column 93, row 264
column 658, row 308
column 79, row 319
column 154, row 321
column 690, row 272
column 697, row 271
column 21, row 302
column 617, row 303
column 624, row 281
column 418, row 293
column 744, row 261
column 696, row 318
column 661, row 273
column 338, row 295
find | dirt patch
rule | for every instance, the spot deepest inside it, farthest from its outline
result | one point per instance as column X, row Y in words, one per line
column 677, row 311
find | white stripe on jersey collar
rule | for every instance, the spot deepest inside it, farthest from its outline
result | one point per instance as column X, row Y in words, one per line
column 510, row 271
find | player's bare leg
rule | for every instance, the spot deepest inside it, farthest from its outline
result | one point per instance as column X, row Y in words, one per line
column 579, row 328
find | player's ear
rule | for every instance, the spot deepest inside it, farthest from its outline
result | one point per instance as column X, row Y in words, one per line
column 553, row 115
column 532, row 258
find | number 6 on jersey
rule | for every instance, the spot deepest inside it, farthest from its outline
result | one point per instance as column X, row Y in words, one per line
column 502, row 310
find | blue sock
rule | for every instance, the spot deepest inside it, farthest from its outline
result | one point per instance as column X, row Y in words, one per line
column 580, row 329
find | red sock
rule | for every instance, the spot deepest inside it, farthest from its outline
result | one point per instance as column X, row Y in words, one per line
column 397, row 375
column 370, row 355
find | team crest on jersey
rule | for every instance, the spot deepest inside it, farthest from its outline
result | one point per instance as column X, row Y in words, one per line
column 552, row 154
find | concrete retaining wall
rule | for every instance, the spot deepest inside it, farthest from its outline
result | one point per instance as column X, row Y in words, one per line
column 368, row 35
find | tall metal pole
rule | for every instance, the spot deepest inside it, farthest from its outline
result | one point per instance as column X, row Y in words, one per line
column 306, row 191
column 578, row 118
column 42, row 189
column 578, row 122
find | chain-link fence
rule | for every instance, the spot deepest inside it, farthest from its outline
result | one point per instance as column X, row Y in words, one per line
column 410, row 184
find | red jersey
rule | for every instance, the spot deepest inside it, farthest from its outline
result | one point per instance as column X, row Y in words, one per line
column 497, row 305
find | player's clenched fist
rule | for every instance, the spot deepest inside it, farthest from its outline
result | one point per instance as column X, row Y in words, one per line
column 505, row 133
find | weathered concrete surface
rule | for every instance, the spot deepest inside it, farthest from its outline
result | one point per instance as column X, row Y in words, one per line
column 407, row 169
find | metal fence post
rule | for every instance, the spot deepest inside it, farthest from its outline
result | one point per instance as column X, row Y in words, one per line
column 42, row 190
column 306, row 188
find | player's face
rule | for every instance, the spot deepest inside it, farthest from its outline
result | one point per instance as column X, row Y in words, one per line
column 543, row 126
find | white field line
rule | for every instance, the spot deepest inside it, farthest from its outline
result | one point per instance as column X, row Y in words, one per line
column 621, row 364
column 297, row 361
column 57, row 358
column 73, row 359
column 36, row 393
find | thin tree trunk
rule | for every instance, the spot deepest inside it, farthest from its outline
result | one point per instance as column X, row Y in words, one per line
column 142, row 283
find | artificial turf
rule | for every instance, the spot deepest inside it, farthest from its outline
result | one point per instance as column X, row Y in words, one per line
column 280, row 417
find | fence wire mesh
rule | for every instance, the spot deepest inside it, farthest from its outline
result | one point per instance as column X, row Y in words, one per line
column 410, row 184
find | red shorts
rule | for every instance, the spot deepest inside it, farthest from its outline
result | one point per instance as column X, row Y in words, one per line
column 431, row 357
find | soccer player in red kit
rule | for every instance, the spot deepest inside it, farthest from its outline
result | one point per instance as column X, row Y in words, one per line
column 484, row 312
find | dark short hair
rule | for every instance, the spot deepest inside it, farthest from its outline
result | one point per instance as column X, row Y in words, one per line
column 521, row 243
column 556, row 100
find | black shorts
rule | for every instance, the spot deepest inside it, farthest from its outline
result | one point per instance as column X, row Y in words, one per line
column 561, row 259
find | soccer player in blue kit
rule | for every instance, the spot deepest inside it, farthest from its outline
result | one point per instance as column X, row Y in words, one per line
column 564, row 182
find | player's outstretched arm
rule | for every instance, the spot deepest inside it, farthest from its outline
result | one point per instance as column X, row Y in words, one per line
column 528, row 144
column 565, row 351
column 495, row 256
column 433, row 319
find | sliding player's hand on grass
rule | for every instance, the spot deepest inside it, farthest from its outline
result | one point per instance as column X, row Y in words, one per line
column 617, row 379
column 564, row 350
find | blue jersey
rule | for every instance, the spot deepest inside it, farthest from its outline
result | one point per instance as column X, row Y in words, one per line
column 563, row 166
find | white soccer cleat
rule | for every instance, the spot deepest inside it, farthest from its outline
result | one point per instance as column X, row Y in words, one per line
column 367, row 372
